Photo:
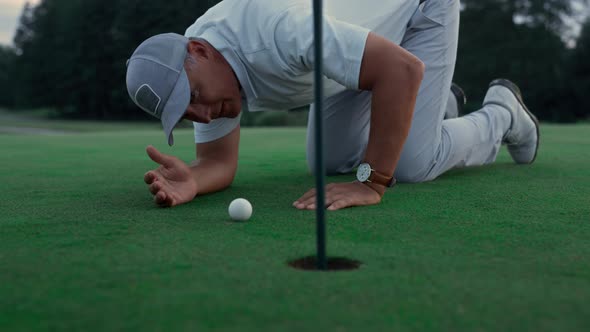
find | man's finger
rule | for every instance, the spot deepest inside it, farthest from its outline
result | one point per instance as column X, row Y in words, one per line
column 150, row 177
column 155, row 187
column 304, row 203
column 330, row 200
column 160, row 198
column 170, row 200
column 159, row 157
column 305, row 197
column 164, row 199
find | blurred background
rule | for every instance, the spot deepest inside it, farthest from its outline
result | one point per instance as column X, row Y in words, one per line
column 66, row 59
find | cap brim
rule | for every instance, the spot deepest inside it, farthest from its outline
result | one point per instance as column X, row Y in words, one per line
column 176, row 106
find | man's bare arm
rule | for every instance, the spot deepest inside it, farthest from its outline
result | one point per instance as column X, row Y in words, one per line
column 394, row 76
column 217, row 163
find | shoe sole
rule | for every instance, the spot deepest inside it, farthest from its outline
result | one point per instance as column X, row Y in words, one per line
column 516, row 92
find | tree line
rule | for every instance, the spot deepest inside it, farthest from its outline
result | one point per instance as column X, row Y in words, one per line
column 70, row 55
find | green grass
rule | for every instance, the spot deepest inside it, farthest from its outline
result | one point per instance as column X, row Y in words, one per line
column 44, row 119
column 82, row 247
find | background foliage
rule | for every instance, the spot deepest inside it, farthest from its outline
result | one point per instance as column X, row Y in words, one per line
column 70, row 55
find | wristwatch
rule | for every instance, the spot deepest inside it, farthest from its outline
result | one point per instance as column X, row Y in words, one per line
column 366, row 174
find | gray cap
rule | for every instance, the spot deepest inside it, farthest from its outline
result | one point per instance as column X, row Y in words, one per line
column 157, row 81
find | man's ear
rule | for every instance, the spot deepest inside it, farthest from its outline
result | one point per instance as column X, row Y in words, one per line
column 198, row 49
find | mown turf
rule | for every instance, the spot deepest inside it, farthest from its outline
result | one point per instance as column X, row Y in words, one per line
column 82, row 247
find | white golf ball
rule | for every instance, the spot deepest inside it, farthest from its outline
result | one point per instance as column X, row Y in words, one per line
column 240, row 209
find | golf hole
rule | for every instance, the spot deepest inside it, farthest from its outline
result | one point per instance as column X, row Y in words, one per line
column 333, row 264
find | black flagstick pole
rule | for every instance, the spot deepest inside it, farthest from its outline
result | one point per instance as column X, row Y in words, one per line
column 319, row 139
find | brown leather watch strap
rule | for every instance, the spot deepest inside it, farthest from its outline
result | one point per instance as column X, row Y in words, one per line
column 384, row 180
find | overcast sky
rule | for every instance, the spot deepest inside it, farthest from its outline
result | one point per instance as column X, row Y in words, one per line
column 10, row 11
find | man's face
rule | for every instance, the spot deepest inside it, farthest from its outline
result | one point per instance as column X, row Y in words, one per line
column 214, row 87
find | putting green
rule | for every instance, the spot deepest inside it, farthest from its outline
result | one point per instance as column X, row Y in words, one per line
column 82, row 246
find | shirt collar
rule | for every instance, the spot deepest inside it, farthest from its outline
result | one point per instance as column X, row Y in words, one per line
column 234, row 61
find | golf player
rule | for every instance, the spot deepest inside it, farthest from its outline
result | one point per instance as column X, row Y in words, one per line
column 388, row 71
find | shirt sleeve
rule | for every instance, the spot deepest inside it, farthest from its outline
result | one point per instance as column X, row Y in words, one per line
column 216, row 129
column 343, row 45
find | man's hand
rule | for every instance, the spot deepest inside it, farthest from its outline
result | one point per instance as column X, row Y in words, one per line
column 340, row 196
column 172, row 183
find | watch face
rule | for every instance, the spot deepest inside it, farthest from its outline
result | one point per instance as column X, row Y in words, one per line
column 363, row 172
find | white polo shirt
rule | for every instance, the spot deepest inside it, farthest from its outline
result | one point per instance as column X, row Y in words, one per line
column 269, row 45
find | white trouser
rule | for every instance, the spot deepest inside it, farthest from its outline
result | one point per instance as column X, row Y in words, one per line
column 434, row 145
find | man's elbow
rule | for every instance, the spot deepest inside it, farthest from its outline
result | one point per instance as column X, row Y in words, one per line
column 415, row 69
column 231, row 175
